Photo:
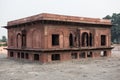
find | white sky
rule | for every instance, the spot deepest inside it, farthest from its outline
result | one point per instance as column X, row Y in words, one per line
column 15, row 9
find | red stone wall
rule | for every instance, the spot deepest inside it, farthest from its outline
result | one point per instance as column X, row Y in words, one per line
column 34, row 38
column 64, row 56
column 64, row 32
column 40, row 37
column 98, row 33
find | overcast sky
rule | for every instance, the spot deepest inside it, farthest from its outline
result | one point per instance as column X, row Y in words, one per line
column 15, row 9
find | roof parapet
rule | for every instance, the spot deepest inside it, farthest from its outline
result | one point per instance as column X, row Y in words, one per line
column 56, row 17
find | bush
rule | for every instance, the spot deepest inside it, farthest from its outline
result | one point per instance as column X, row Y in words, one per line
column 3, row 44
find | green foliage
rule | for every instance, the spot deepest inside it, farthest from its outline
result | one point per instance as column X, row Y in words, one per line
column 115, row 30
column 3, row 39
column 3, row 44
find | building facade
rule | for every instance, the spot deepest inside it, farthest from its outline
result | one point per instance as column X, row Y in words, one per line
column 50, row 37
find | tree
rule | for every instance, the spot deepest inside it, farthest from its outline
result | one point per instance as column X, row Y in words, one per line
column 115, row 30
column 3, row 39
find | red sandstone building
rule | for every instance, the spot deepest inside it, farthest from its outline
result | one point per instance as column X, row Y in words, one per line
column 50, row 37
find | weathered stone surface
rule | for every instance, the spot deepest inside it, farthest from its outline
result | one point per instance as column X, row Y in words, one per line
column 55, row 17
column 36, row 37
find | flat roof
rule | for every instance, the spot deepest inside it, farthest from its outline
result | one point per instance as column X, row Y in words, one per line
column 56, row 17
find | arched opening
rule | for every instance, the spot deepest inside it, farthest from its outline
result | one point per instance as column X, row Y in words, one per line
column 23, row 38
column 85, row 40
column 91, row 38
column 36, row 39
column 18, row 40
column 71, row 40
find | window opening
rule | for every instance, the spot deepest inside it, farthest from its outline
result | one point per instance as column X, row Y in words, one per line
column 55, row 57
column 11, row 54
column 36, row 57
column 103, row 40
column 82, row 55
column 55, row 39
column 71, row 40
column 74, row 55
column 22, row 55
